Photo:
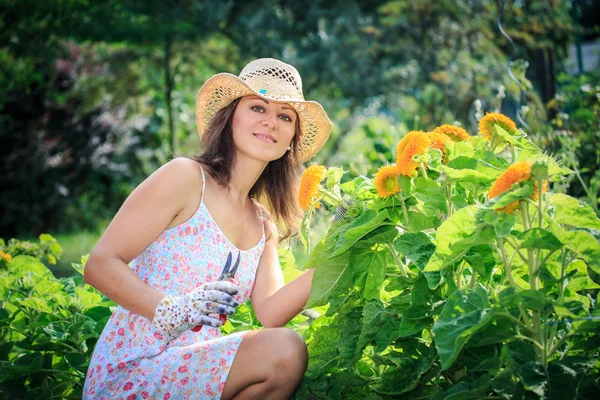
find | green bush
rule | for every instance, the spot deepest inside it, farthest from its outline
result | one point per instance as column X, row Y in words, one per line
column 48, row 326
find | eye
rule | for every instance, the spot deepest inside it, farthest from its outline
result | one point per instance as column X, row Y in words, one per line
column 285, row 117
column 260, row 109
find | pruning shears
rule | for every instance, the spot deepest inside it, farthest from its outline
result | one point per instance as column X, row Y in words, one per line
column 227, row 275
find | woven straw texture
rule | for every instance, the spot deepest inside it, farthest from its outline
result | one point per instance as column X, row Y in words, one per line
column 272, row 80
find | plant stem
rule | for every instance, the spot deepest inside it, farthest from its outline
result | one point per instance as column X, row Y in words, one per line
column 397, row 260
column 508, row 269
column 404, row 210
column 561, row 291
column 473, row 279
column 459, row 275
column 423, row 171
column 516, row 321
column 537, row 345
column 533, row 282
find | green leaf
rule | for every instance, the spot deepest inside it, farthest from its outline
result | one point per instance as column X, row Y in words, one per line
column 508, row 386
column 405, row 185
column 429, row 192
column 566, row 375
column 374, row 317
column 465, row 313
column 418, row 222
column 524, row 362
column 583, row 244
column 26, row 265
column 358, row 228
column 518, row 191
column 417, row 247
column 537, row 238
column 325, row 279
column 481, row 259
column 377, row 262
column 399, row 380
column 333, row 175
column 424, row 302
column 468, row 175
column 76, row 360
column 455, row 236
column 570, row 211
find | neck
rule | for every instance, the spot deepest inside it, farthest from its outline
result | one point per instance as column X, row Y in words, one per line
column 245, row 173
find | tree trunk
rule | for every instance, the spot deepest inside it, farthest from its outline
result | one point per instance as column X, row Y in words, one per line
column 168, row 92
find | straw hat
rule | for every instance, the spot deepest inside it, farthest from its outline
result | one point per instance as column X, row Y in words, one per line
column 272, row 80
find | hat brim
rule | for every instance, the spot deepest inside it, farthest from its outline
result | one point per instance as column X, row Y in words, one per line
column 221, row 89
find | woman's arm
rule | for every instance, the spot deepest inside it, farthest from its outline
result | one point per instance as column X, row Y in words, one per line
column 161, row 199
column 274, row 303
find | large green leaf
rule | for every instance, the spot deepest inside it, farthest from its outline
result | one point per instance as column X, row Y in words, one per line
column 417, row 247
column 425, row 302
column 570, row 211
column 481, row 259
column 518, row 191
column 537, row 238
column 429, row 192
column 566, row 375
column 377, row 262
column 374, row 317
column 531, row 372
column 358, row 228
column 465, row 313
column 325, row 278
column 455, row 236
column 583, row 244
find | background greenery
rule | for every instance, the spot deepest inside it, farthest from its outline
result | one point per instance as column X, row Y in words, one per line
column 94, row 96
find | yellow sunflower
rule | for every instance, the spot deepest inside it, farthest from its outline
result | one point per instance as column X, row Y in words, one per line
column 5, row 256
column 309, row 185
column 415, row 142
column 518, row 172
column 456, row 133
column 438, row 141
column 386, row 181
column 486, row 125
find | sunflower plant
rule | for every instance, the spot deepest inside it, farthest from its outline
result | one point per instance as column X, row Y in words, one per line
column 455, row 273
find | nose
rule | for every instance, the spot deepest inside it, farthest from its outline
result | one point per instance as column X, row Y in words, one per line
column 270, row 120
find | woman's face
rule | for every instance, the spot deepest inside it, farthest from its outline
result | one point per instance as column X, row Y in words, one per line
column 263, row 129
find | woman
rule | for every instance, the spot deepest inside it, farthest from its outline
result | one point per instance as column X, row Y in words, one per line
column 198, row 244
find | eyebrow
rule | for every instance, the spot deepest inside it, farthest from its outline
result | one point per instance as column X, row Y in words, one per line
column 284, row 107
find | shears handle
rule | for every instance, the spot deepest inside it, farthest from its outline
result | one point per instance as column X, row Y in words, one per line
column 222, row 317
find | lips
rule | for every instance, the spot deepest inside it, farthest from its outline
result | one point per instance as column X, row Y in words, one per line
column 265, row 137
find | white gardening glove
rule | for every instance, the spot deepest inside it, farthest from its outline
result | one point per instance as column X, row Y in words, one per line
column 176, row 314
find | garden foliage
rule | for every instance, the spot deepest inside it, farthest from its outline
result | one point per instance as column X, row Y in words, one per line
column 48, row 326
column 464, row 278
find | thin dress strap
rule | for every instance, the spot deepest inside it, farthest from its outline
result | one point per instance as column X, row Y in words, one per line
column 203, row 185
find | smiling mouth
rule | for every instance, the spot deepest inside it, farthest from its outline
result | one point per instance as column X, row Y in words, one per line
column 265, row 138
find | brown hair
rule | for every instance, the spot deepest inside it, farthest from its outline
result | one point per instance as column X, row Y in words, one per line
column 277, row 185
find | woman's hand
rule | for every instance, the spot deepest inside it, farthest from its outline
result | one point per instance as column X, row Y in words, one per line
column 176, row 314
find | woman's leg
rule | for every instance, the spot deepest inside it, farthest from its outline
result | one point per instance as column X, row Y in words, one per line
column 269, row 364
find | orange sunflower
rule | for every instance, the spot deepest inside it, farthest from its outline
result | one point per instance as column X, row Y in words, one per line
column 438, row 141
column 5, row 256
column 415, row 142
column 309, row 185
column 486, row 125
column 518, row 172
column 386, row 181
column 456, row 133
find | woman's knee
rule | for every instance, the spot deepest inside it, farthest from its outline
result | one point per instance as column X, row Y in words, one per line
column 290, row 353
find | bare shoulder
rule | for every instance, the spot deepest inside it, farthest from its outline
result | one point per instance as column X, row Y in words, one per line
column 180, row 171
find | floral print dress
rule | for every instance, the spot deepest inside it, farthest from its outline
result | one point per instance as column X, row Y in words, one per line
column 132, row 361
